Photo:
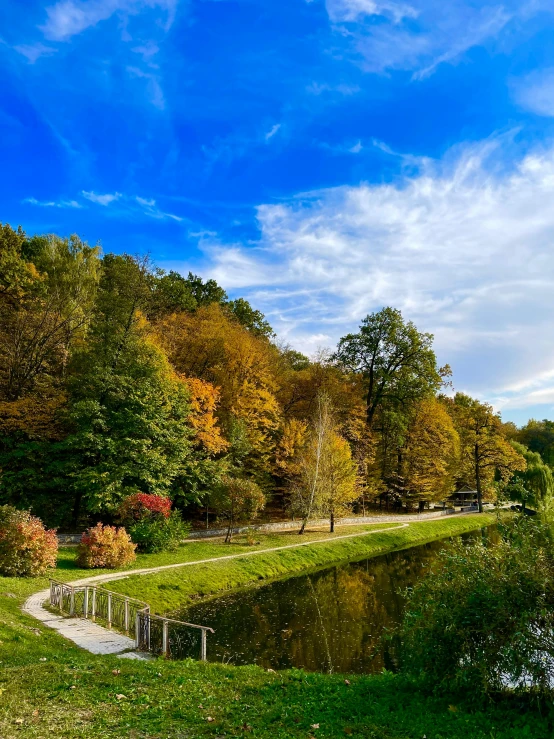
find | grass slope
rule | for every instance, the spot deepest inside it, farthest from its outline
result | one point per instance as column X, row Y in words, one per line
column 172, row 589
column 48, row 687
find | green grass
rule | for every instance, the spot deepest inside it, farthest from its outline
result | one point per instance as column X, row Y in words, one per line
column 170, row 590
column 50, row 688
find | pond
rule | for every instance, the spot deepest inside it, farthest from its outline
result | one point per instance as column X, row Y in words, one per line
column 331, row 620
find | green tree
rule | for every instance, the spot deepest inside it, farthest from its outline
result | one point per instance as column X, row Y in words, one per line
column 396, row 361
column 253, row 320
column 535, row 484
column 44, row 306
column 538, row 436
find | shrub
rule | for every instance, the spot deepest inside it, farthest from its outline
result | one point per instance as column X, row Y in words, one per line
column 142, row 506
column 159, row 534
column 484, row 619
column 151, row 523
column 26, row 547
column 105, row 546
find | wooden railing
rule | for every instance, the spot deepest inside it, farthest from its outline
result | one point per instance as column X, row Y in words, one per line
column 170, row 638
column 155, row 634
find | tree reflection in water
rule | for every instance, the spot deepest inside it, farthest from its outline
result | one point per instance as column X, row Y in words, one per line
column 328, row 621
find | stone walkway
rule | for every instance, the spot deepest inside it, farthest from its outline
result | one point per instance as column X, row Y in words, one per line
column 99, row 640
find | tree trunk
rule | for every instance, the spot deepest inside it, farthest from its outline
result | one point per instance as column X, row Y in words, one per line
column 478, row 478
column 76, row 509
column 229, row 531
column 332, row 523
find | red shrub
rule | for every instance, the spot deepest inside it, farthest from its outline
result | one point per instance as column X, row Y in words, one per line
column 105, row 546
column 26, row 547
column 141, row 506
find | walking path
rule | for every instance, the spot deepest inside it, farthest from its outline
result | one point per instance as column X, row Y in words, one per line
column 99, row 640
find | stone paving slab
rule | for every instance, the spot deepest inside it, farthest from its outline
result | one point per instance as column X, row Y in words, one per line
column 81, row 631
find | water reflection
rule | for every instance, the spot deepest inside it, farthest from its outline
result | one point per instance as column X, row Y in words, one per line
column 328, row 621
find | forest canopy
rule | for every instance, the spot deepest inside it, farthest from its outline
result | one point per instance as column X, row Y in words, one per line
column 118, row 378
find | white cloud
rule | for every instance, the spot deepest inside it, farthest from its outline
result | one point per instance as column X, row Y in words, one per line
column 464, row 248
column 32, row 52
column 68, row 18
column 53, row 203
column 535, row 92
column 150, row 209
column 352, row 10
column 145, row 201
column 272, row 131
column 155, row 92
column 318, row 88
column 106, row 199
column 420, row 36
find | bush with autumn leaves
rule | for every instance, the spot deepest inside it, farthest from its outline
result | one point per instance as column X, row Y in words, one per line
column 105, row 546
column 151, row 523
column 27, row 548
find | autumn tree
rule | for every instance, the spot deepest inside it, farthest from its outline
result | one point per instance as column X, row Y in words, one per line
column 308, row 485
column 210, row 346
column 484, row 450
column 236, row 499
column 340, row 480
column 431, row 452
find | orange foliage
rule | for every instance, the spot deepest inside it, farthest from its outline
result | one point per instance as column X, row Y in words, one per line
column 204, row 398
column 37, row 418
column 207, row 345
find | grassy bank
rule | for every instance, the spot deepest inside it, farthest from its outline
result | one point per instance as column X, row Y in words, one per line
column 173, row 589
column 48, row 687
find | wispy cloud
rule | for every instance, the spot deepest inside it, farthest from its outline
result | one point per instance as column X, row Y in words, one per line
column 462, row 247
column 272, row 131
column 104, row 200
column 535, row 91
column 155, row 92
column 32, row 52
column 418, row 37
column 150, row 209
column 53, row 203
column 319, row 88
column 353, row 10
column 68, row 18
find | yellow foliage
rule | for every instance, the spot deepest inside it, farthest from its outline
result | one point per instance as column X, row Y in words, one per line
column 432, row 447
column 204, row 398
column 293, row 438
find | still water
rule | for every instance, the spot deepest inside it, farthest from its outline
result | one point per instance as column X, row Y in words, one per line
column 331, row 620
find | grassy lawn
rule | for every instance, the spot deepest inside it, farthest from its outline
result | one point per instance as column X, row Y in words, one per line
column 48, row 687
column 170, row 590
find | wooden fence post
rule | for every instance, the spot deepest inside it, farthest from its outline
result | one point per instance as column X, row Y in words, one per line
column 72, row 603
column 203, row 646
column 85, row 603
column 126, row 615
column 94, row 603
column 109, row 610
column 165, row 645
column 137, row 631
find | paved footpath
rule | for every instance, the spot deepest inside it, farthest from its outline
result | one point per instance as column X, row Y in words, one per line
column 99, row 640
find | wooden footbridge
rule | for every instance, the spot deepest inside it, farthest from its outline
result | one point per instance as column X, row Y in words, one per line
column 156, row 635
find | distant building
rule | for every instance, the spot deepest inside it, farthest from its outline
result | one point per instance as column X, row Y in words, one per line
column 464, row 497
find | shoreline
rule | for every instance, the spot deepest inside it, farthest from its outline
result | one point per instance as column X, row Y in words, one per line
column 176, row 587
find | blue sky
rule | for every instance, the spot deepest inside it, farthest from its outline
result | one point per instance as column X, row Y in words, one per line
column 322, row 159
